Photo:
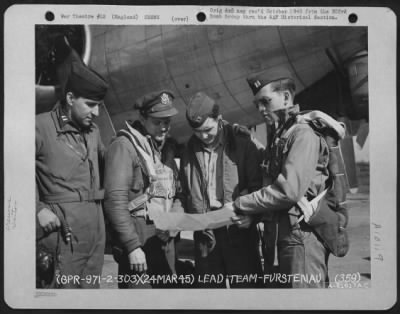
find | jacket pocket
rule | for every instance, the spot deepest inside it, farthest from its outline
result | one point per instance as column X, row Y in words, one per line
column 137, row 180
column 64, row 168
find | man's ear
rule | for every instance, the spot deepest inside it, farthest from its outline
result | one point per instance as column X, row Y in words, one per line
column 69, row 97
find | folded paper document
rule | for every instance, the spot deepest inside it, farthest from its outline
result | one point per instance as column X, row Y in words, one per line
column 192, row 222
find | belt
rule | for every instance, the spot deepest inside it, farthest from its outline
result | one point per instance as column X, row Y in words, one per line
column 141, row 213
column 71, row 197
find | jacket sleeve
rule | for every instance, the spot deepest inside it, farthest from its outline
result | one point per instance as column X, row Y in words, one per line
column 100, row 153
column 38, row 148
column 297, row 171
column 117, row 182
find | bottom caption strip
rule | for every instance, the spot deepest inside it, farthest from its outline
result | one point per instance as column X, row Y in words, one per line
column 340, row 281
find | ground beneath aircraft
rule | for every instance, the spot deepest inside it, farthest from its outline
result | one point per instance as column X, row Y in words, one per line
column 351, row 271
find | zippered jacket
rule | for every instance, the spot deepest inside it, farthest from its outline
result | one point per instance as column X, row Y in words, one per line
column 240, row 169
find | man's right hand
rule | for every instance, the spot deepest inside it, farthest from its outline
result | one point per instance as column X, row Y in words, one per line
column 48, row 220
column 243, row 221
column 137, row 260
column 206, row 240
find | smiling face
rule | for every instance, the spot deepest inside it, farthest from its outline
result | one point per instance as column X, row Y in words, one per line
column 208, row 131
column 157, row 128
column 82, row 110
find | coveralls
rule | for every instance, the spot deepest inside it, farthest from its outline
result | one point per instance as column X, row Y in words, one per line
column 68, row 183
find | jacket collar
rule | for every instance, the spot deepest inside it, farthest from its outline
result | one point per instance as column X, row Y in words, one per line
column 196, row 147
column 287, row 117
column 62, row 122
column 137, row 125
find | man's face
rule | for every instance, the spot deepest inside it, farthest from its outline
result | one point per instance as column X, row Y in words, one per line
column 158, row 128
column 83, row 110
column 267, row 101
column 208, row 131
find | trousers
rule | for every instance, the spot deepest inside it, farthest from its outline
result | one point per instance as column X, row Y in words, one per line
column 302, row 258
column 80, row 262
column 235, row 255
column 160, row 259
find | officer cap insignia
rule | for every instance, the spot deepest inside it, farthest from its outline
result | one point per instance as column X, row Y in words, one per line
column 157, row 104
column 165, row 99
column 257, row 81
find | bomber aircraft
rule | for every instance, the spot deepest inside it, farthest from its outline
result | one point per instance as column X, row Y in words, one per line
column 329, row 64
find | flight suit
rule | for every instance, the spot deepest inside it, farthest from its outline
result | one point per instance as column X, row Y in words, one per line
column 68, row 183
column 126, row 180
column 295, row 165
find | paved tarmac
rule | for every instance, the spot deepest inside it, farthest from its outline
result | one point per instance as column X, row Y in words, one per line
column 353, row 270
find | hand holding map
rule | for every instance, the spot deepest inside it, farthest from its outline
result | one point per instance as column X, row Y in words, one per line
column 193, row 222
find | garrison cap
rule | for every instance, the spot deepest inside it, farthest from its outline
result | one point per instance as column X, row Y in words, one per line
column 200, row 108
column 259, row 80
column 85, row 82
column 157, row 104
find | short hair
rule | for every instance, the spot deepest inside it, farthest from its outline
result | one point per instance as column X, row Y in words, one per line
column 63, row 100
column 284, row 84
column 215, row 112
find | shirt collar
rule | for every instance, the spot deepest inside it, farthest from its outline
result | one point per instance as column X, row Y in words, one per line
column 62, row 122
column 63, row 118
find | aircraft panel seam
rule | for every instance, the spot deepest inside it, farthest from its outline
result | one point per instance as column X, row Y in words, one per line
column 167, row 65
column 219, row 72
column 288, row 58
column 113, row 88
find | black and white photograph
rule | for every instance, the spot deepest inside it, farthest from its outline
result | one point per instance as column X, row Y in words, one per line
column 201, row 156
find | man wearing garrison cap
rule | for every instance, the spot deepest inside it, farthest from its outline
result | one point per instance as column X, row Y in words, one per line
column 69, row 154
column 219, row 163
column 140, row 176
column 295, row 165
